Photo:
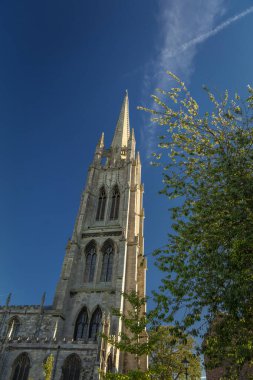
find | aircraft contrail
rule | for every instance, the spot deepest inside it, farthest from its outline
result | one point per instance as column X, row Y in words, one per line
column 211, row 33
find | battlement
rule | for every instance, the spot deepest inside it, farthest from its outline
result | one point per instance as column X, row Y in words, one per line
column 23, row 308
column 30, row 341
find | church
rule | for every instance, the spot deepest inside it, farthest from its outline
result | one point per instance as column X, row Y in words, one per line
column 103, row 259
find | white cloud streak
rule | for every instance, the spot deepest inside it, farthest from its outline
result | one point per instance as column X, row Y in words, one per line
column 217, row 29
column 182, row 21
column 178, row 21
column 183, row 25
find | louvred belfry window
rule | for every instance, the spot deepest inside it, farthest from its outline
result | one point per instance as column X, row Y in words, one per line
column 114, row 214
column 101, row 204
column 71, row 368
column 95, row 324
column 81, row 327
column 90, row 262
column 107, row 265
column 21, row 367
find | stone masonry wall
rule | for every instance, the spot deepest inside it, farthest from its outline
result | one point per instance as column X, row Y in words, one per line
column 38, row 344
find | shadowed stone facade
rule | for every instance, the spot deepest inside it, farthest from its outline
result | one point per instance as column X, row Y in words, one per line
column 103, row 259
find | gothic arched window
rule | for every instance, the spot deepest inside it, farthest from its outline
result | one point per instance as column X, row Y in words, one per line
column 109, row 364
column 101, row 204
column 81, row 326
column 13, row 328
column 114, row 214
column 90, row 262
column 71, row 368
column 106, row 272
column 21, row 367
column 95, row 324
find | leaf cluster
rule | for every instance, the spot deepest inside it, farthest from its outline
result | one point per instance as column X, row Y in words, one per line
column 166, row 360
column 133, row 339
column 166, row 349
column 48, row 367
column 207, row 162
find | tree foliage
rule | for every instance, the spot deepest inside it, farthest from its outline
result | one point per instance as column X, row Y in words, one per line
column 131, row 375
column 133, row 339
column 207, row 161
column 48, row 367
column 166, row 360
column 165, row 350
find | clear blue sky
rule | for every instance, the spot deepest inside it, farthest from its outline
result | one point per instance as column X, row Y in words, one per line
column 64, row 67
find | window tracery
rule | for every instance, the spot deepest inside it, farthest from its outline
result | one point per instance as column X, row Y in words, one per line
column 90, row 262
column 71, row 368
column 114, row 213
column 101, row 204
column 109, row 366
column 13, row 328
column 81, row 326
column 107, row 264
column 95, row 324
column 21, row 367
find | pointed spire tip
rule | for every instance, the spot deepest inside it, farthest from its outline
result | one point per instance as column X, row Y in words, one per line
column 132, row 136
column 101, row 140
column 122, row 133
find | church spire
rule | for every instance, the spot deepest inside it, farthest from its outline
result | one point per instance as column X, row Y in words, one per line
column 99, row 150
column 101, row 141
column 121, row 134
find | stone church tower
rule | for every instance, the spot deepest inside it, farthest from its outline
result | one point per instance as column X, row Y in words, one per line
column 103, row 259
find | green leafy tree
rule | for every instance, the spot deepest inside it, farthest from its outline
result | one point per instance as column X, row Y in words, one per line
column 131, row 375
column 207, row 161
column 166, row 360
column 133, row 339
column 48, row 367
column 136, row 341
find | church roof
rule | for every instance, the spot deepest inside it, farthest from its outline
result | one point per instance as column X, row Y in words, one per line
column 122, row 133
